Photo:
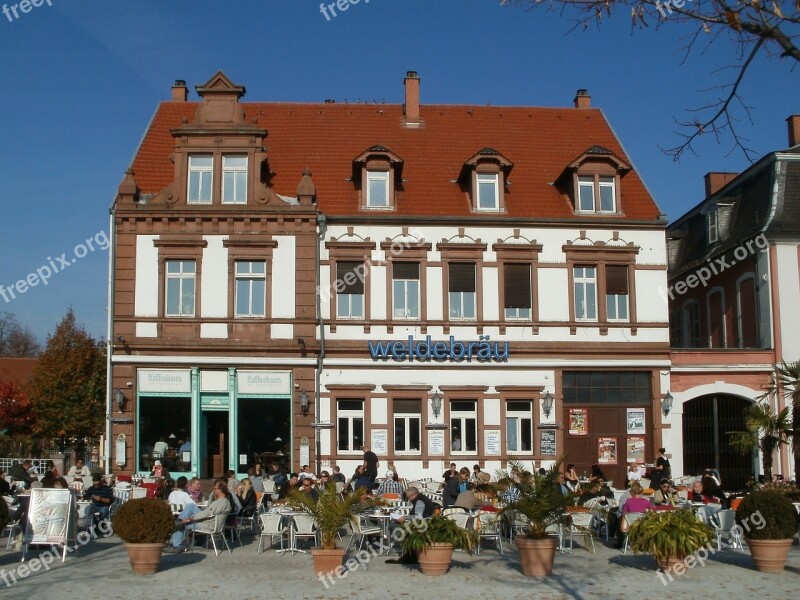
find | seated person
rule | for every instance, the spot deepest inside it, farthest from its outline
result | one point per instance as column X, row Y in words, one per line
column 159, row 470
column 390, row 485
column 288, row 485
column 5, row 486
column 571, row 478
column 192, row 517
column 179, row 496
column 665, row 495
column 338, row 476
column 247, row 495
column 422, row 508
column 279, row 477
column 194, row 489
column 712, row 491
column 234, row 485
column 597, row 473
column 563, row 486
column 634, row 504
column 101, row 496
column 599, row 491
column 468, row 499
column 22, row 472
column 307, row 487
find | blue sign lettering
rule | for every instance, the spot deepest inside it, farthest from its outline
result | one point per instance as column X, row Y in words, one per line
column 427, row 350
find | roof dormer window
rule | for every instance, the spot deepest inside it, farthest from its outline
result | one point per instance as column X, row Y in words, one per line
column 593, row 181
column 712, row 221
column 487, row 172
column 378, row 172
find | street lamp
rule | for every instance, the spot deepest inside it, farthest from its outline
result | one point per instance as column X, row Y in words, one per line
column 436, row 404
column 666, row 404
column 547, row 404
column 304, row 402
column 119, row 398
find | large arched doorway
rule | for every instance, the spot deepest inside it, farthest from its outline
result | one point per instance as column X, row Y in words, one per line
column 706, row 421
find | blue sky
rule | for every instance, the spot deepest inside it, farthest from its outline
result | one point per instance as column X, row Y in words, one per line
column 82, row 79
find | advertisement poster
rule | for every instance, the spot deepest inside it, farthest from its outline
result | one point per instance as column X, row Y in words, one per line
column 547, row 443
column 50, row 517
column 636, row 420
column 607, row 451
column 578, row 421
column 636, row 450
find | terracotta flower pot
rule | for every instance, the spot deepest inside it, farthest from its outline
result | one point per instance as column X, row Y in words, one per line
column 326, row 561
column 770, row 555
column 144, row 558
column 668, row 565
column 436, row 559
column 537, row 555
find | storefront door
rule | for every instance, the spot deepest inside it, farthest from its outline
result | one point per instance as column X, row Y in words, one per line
column 214, row 462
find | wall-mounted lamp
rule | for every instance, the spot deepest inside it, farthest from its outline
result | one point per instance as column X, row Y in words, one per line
column 666, row 403
column 119, row 398
column 547, row 404
column 303, row 401
column 436, row 404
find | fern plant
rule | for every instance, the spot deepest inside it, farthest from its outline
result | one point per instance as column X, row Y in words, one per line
column 669, row 534
column 422, row 534
column 330, row 511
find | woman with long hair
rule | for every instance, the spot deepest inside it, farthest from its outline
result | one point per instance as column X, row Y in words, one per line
column 247, row 496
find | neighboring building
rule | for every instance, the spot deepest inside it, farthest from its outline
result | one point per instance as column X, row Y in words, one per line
column 734, row 287
column 513, row 251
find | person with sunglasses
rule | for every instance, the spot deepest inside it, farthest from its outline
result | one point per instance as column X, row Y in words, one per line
column 665, row 495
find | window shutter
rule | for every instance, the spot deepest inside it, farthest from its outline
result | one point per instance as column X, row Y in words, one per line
column 713, row 227
column 405, row 270
column 462, row 277
column 357, row 268
column 616, row 280
column 517, row 285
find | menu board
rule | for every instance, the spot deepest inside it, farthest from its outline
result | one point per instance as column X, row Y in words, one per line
column 51, row 518
column 547, row 443
column 436, row 442
column 607, row 451
column 578, row 421
column 492, row 442
column 379, row 442
column 636, row 420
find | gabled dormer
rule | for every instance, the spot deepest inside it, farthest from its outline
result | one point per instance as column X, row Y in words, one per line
column 377, row 173
column 485, row 175
column 593, row 181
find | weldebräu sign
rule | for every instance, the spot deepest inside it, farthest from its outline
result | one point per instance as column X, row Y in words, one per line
column 427, row 350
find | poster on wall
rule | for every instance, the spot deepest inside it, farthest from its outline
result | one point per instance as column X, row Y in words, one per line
column 492, row 442
column 578, row 421
column 636, row 420
column 379, row 442
column 547, row 443
column 436, row 442
column 607, row 451
column 635, row 450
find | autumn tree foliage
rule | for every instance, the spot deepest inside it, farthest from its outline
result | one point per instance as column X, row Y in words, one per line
column 16, row 415
column 67, row 388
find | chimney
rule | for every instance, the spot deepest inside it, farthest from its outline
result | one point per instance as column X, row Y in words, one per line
column 306, row 190
column 717, row 181
column 582, row 99
column 179, row 91
column 412, row 98
column 794, row 130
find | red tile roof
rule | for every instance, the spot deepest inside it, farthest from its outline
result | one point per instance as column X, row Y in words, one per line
column 540, row 142
column 17, row 369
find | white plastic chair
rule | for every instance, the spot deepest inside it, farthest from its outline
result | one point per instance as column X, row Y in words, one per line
column 581, row 524
column 218, row 529
column 488, row 526
column 272, row 526
column 557, row 531
column 303, row 526
column 724, row 523
column 363, row 532
column 138, row 493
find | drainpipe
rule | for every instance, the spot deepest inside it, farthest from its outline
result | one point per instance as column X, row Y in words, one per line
column 322, row 222
column 110, row 335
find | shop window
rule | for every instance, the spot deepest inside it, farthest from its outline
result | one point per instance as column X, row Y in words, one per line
column 519, row 426
column 160, row 418
column 350, row 425
column 463, row 427
column 407, row 426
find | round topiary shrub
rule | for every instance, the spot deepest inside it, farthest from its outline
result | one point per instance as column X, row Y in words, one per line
column 144, row 521
column 767, row 515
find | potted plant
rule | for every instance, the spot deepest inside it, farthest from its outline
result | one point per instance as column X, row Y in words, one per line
column 331, row 512
column 434, row 539
column 669, row 535
column 144, row 524
column 769, row 521
column 540, row 500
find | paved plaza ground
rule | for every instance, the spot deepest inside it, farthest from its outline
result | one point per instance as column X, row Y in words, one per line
column 101, row 570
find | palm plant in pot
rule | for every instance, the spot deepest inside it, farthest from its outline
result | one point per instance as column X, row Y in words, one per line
column 144, row 524
column 769, row 521
column 330, row 512
column 434, row 540
column 539, row 499
column 669, row 535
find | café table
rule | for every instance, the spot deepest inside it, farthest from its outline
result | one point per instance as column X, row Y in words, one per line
column 384, row 518
column 288, row 515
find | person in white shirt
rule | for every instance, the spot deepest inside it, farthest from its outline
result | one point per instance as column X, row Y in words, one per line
column 79, row 470
column 179, row 495
column 306, row 474
column 161, row 447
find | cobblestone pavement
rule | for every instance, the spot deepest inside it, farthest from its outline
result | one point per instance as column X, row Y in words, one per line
column 101, row 570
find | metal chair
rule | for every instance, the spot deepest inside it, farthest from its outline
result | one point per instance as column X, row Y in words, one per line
column 580, row 524
column 631, row 518
column 12, row 529
column 451, row 510
column 724, row 523
column 488, row 526
column 246, row 521
column 557, row 531
column 303, row 526
column 232, row 525
column 272, row 526
column 460, row 517
column 218, row 529
column 363, row 532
